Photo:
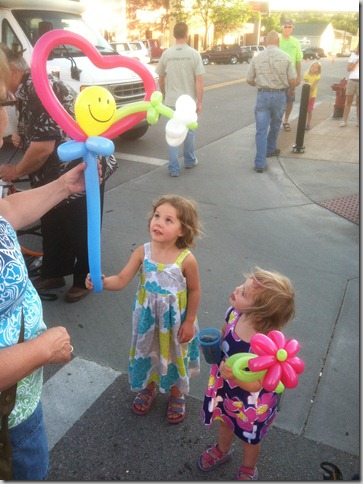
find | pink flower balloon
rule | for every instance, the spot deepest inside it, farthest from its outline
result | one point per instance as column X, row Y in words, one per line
column 278, row 357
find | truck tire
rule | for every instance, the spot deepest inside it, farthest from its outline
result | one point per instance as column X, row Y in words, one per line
column 234, row 59
column 134, row 133
column 205, row 60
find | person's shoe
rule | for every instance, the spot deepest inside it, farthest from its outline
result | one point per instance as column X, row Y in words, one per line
column 193, row 165
column 258, row 170
column 343, row 124
column 247, row 474
column 174, row 173
column 76, row 294
column 274, row 153
column 51, row 283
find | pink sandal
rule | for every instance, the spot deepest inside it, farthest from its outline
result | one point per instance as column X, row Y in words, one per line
column 247, row 474
column 214, row 457
column 144, row 398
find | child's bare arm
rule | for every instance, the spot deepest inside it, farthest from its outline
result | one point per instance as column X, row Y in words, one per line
column 119, row 281
column 191, row 273
column 227, row 374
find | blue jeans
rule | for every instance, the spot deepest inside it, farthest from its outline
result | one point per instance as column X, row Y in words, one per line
column 269, row 110
column 30, row 448
column 188, row 152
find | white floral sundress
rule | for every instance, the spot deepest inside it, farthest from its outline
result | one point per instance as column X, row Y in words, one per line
column 159, row 309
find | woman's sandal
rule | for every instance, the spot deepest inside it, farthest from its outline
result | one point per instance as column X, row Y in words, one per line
column 286, row 126
column 214, row 457
column 144, row 398
column 175, row 405
column 247, row 474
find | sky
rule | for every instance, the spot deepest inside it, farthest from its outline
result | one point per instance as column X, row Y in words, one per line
column 322, row 5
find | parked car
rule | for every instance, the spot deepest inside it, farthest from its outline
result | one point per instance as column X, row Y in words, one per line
column 344, row 53
column 154, row 49
column 310, row 54
column 224, row 54
column 133, row 48
column 313, row 53
column 255, row 49
column 23, row 22
column 247, row 54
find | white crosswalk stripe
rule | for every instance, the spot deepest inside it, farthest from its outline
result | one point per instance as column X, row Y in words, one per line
column 64, row 403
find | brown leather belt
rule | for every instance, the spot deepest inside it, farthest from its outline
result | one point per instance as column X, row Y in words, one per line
column 267, row 89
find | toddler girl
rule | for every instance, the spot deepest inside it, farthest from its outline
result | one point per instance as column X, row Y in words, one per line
column 265, row 301
column 312, row 77
column 164, row 348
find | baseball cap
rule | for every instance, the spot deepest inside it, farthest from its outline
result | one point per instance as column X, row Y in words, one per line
column 287, row 21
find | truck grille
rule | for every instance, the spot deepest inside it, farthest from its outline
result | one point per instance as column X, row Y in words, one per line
column 128, row 92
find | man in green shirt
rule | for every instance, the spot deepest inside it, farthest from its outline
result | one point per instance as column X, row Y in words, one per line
column 291, row 46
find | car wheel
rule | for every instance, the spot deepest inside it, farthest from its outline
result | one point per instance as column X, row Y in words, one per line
column 134, row 133
column 205, row 61
column 234, row 59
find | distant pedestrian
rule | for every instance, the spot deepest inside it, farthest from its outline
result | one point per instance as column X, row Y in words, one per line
column 180, row 71
column 312, row 77
column 352, row 88
column 164, row 348
column 291, row 46
column 264, row 302
column 272, row 72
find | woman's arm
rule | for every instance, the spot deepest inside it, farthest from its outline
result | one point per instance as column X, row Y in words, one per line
column 34, row 158
column 20, row 360
column 191, row 273
column 23, row 208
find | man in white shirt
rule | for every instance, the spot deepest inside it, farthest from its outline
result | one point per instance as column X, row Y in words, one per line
column 352, row 88
column 180, row 71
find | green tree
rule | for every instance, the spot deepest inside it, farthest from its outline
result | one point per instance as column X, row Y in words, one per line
column 149, row 5
column 271, row 22
column 229, row 17
column 347, row 22
column 178, row 11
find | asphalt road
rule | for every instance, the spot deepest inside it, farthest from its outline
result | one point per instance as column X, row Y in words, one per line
column 248, row 221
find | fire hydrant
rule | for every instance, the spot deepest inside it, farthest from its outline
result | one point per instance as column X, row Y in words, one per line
column 339, row 88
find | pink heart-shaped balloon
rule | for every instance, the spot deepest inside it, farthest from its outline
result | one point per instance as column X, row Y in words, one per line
column 42, row 49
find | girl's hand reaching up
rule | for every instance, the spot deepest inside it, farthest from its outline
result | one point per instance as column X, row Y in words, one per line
column 88, row 283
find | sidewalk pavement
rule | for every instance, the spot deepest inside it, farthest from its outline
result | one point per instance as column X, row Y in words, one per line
column 287, row 219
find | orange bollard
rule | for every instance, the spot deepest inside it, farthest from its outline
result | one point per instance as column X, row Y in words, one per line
column 333, row 60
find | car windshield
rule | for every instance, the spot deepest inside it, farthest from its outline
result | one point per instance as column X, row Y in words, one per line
column 35, row 23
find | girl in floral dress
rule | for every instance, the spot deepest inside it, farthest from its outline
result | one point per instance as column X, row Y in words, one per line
column 164, row 348
column 263, row 303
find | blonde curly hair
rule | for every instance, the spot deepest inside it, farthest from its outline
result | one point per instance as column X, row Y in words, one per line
column 273, row 300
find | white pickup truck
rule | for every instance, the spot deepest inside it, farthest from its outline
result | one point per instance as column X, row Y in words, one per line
column 22, row 22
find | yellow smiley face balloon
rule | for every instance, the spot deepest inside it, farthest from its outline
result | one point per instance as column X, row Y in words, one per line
column 95, row 109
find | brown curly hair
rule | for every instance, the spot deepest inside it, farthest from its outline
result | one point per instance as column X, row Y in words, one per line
column 187, row 215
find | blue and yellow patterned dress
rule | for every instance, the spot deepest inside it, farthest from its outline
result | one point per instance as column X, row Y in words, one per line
column 18, row 295
column 160, row 308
